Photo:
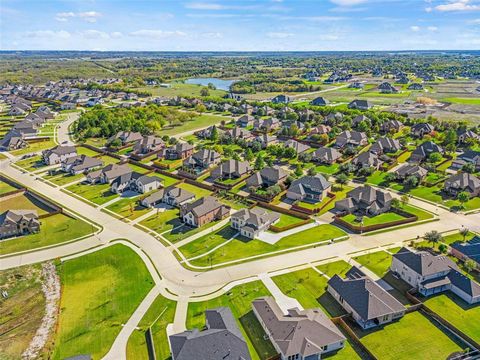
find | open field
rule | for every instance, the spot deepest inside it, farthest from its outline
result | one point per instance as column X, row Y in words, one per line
column 98, row 193
column 22, row 311
column 395, row 340
column 25, row 202
column 179, row 89
column 93, row 304
column 54, row 230
column 239, row 301
column 158, row 316
column 199, row 122
column 241, row 248
column 34, row 147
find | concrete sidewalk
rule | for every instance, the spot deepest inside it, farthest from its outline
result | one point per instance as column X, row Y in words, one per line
column 284, row 302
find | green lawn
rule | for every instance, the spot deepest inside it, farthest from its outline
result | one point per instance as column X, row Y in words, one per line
column 32, row 163
column 35, row 147
column 199, row 122
column 128, row 208
column 379, row 262
column 179, row 89
column 463, row 101
column 239, row 300
column 107, row 160
column 436, row 195
column 208, row 242
column 240, row 248
column 286, row 220
column 180, row 231
column 167, row 180
column 453, row 309
column 199, row 192
column 158, row 316
column 412, row 337
column 162, row 221
column 384, row 218
column 98, row 193
column 309, row 288
column 327, row 169
column 93, row 307
column 86, row 151
column 63, row 178
column 421, row 214
column 54, row 229
column 340, row 193
column 5, row 188
column 339, row 268
column 138, row 169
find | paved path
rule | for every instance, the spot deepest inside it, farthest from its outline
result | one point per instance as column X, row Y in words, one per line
column 180, row 319
column 284, row 302
column 272, row 238
column 369, row 273
column 62, row 130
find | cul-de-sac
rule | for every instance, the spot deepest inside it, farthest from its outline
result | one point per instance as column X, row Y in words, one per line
column 237, row 205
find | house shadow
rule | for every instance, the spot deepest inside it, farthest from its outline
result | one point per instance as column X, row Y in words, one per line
column 260, row 341
column 330, row 304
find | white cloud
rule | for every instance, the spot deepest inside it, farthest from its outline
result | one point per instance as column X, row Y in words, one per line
column 212, row 35
column 216, row 6
column 116, row 35
column 432, row 28
column 348, row 2
column 415, row 28
column 156, row 34
column 88, row 16
column 328, row 37
column 95, row 34
column 458, row 5
column 279, row 35
column 48, row 34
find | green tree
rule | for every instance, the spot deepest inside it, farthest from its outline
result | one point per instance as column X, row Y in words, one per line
column 259, row 162
column 411, row 181
column 214, row 134
column 405, row 199
column 341, row 179
column 433, row 237
column 249, row 155
column 204, row 92
column 299, row 170
column 396, row 203
column 463, row 197
column 470, row 265
column 464, row 232
column 435, row 157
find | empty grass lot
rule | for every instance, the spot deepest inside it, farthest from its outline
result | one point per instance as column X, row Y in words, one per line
column 239, row 300
column 199, row 122
column 167, row 180
column 412, row 337
column 93, row 307
column 98, row 193
column 54, row 229
column 158, row 316
column 456, row 311
column 6, row 188
column 25, row 202
column 208, row 242
column 128, row 208
column 34, row 147
column 241, row 248
column 32, row 163
column 199, row 192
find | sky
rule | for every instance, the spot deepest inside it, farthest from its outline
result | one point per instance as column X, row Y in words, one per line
column 243, row 25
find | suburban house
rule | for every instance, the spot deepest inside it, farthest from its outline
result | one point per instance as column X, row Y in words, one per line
column 367, row 159
column 385, row 145
column 423, row 151
column 464, row 135
column 360, row 104
column 239, row 133
column 467, row 157
column 80, row 164
column 202, row 160
column 421, row 129
column 357, row 120
column 135, row 181
column 298, row 334
column 415, row 86
column 431, row 274
column 220, row 340
column 351, row 138
column 387, row 88
column 180, row 151
column 18, row 222
column 468, row 250
column 266, row 124
column 319, row 101
column 231, row 169
column 203, row 211
column 298, row 146
column 148, row 144
column 126, row 137
column 58, row 154
column 458, row 183
column 264, row 140
column 108, row 173
column 245, row 121
column 309, row 188
column 391, row 126
column 407, row 170
column 365, row 200
column 326, row 155
column 367, row 302
column 281, row 99
column 320, row 130
column 13, row 140
column 251, row 222
column 173, row 196
column 207, row 132
column 267, row 177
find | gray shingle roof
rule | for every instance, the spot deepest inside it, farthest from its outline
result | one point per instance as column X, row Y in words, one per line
column 424, row 263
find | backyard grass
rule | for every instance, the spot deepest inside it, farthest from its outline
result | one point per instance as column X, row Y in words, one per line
column 435, row 194
column 25, row 202
column 107, row 160
column 241, row 248
column 93, row 307
column 63, row 178
column 412, row 337
column 86, row 151
column 54, row 229
column 167, row 180
column 98, row 193
column 34, row 147
column 6, row 188
column 22, row 311
column 199, row 122
column 239, row 300
column 340, row 193
column 463, row 316
column 138, row 169
column 199, row 192
column 383, row 218
column 158, row 316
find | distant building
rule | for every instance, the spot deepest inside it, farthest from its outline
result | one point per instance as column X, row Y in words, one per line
column 360, row 105
column 281, row 99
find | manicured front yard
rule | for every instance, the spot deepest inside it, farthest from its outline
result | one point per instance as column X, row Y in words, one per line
column 54, row 229
column 98, row 193
column 240, row 248
column 287, row 220
column 35, row 147
column 32, row 163
column 158, row 316
column 208, row 242
column 239, row 300
column 453, row 309
column 128, row 208
column 100, row 291
column 384, row 218
column 379, row 262
column 412, row 337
